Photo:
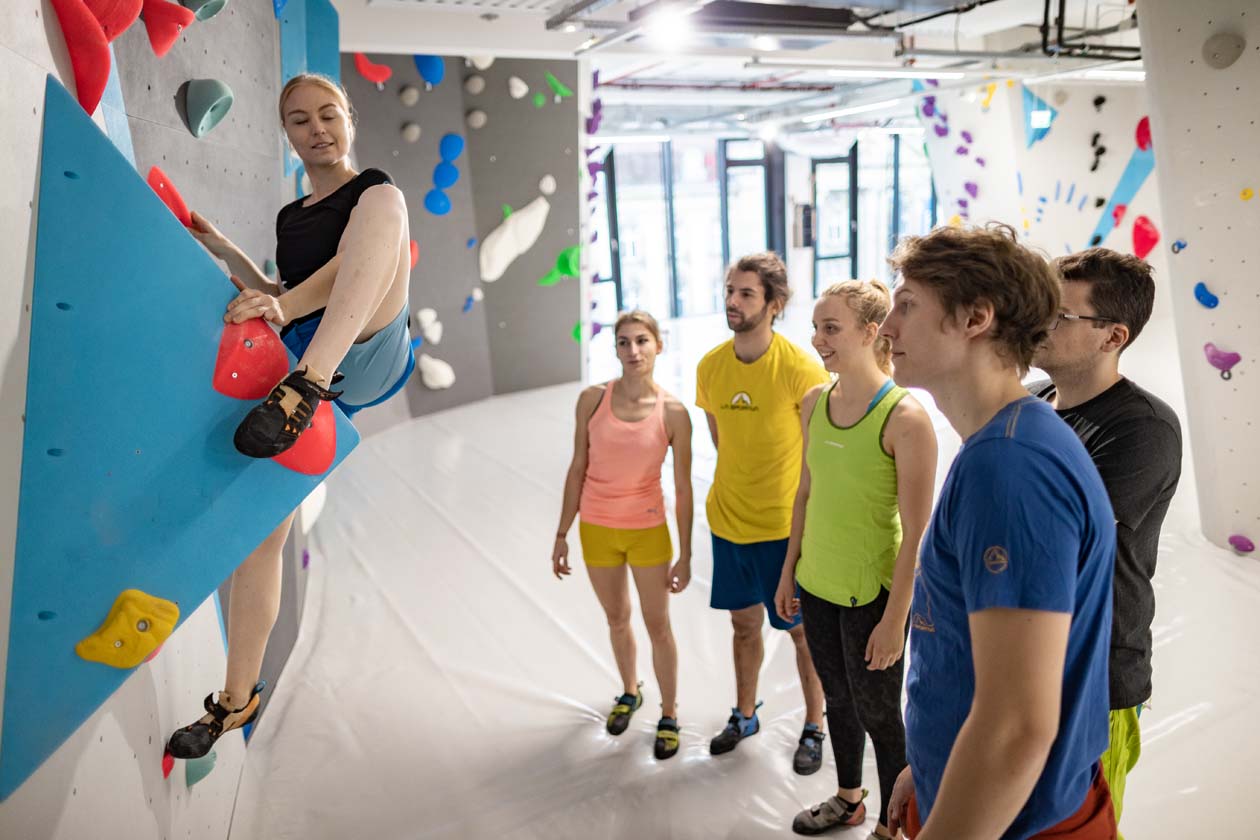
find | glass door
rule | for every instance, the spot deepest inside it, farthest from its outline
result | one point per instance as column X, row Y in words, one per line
column 835, row 219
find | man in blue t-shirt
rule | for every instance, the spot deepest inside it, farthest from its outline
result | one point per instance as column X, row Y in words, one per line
column 1011, row 619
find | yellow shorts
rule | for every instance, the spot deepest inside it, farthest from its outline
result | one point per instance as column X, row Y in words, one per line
column 611, row 547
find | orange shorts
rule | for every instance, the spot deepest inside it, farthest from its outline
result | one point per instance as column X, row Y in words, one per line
column 1095, row 820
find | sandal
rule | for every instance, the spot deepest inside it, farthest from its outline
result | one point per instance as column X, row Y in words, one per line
column 196, row 739
column 273, row 426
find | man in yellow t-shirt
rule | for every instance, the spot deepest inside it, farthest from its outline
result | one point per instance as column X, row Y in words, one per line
column 751, row 388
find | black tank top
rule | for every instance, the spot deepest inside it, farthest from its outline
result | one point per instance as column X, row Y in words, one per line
column 307, row 237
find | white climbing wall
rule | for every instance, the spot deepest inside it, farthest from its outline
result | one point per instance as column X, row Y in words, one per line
column 1207, row 141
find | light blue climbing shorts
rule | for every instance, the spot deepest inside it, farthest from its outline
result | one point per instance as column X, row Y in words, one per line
column 372, row 369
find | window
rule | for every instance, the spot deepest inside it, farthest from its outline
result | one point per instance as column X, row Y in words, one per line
column 697, row 217
column 835, row 242
column 642, row 244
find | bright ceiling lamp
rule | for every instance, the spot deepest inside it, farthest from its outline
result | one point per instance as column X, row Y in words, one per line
column 766, row 43
column 669, row 27
column 823, row 116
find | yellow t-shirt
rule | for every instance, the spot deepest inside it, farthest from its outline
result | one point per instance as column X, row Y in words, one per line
column 757, row 407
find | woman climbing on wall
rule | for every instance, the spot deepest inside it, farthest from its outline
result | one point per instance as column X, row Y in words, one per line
column 344, row 263
column 623, row 429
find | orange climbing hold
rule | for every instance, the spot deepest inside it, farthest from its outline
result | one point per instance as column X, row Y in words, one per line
column 415, row 253
column 377, row 73
column 251, row 360
column 165, row 22
column 170, row 196
column 137, row 624
column 314, row 451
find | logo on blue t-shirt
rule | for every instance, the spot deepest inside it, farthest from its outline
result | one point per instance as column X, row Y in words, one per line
column 996, row 560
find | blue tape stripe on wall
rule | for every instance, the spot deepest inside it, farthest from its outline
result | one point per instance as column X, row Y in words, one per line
column 1138, row 169
column 115, row 112
column 129, row 476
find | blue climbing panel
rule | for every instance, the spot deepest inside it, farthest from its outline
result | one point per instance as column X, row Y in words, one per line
column 309, row 43
column 129, row 476
column 1037, row 127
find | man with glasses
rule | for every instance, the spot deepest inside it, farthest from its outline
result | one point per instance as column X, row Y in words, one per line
column 1134, row 439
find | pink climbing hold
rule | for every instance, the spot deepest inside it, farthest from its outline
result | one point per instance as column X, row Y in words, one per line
column 1117, row 213
column 1241, row 544
column 1222, row 360
column 1145, row 237
column 378, row 74
column 168, row 764
column 1144, row 133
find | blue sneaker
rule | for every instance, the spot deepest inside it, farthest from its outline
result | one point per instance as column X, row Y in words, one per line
column 737, row 729
column 808, row 756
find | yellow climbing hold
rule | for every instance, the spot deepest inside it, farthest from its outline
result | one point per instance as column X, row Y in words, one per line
column 1025, row 224
column 136, row 625
column 989, row 90
column 1247, row 194
column 955, row 220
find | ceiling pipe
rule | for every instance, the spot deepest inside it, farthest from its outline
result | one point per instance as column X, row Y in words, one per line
column 744, row 87
column 1060, row 49
column 569, row 12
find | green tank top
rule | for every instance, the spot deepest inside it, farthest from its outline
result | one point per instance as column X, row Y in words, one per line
column 852, row 521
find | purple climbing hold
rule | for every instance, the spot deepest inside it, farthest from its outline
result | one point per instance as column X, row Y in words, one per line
column 592, row 195
column 941, row 130
column 594, row 235
column 594, row 167
column 596, row 328
column 933, row 83
column 966, row 136
column 306, row 558
column 961, row 150
column 1241, row 544
column 962, row 202
column 929, row 106
column 972, row 189
column 980, row 161
column 595, row 79
column 1222, row 360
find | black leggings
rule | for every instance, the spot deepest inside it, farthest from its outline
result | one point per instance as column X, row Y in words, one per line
column 858, row 701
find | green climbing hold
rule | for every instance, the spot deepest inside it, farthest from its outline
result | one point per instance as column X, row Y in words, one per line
column 196, row 769
column 208, row 101
column 507, row 210
column 567, row 265
column 269, row 268
column 551, row 278
column 204, row 9
column 577, row 331
column 539, row 100
column 557, row 87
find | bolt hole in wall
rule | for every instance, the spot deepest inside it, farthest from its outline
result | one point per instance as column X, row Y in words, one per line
column 671, row 212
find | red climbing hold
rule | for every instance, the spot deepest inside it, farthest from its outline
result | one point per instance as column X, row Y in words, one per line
column 377, row 73
column 165, row 22
column 1117, row 213
column 1145, row 236
column 168, row 764
column 251, row 360
column 314, row 451
column 170, row 196
column 1144, row 133
column 415, row 253
column 154, row 654
column 114, row 16
column 88, row 48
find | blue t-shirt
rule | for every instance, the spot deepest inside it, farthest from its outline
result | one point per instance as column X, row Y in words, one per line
column 1023, row 522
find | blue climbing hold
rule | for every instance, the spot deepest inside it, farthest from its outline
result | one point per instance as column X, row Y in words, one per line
column 1203, row 296
column 437, row 202
column 451, row 147
column 279, row 5
column 468, row 303
column 445, row 175
column 472, row 240
column 416, row 342
column 432, row 68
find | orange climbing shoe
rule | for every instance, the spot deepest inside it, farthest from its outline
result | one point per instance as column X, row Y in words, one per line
column 273, row 426
column 195, row 740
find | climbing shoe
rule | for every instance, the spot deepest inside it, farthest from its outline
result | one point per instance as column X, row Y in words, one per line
column 737, row 729
column 195, row 740
column 666, row 738
column 272, row 426
column 808, row 756
column 833, row 813
column 623, row 709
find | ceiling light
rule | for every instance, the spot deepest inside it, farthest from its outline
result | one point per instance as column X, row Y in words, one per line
column 768, row 132
column 766, row 43
column 741, row 117
column 823, row 116
column 668, row 27
column 570, row 27
column 856, row 73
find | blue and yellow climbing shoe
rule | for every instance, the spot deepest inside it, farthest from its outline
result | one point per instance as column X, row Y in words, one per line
column 625, row 707
column 666, row 738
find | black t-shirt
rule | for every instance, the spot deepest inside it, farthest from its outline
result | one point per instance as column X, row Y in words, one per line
column 1134, row 439
column 308, row 237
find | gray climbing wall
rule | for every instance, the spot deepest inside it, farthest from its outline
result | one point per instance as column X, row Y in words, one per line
column 530, row 327
column 446, row 272
column 1207, row 143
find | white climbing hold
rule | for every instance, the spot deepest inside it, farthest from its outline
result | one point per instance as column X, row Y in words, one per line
column 411, row 132
column 435, row 373
column 409, row 95
column 312, row 506
column 482, row 62
column 433, row 333
column 547, row 186
column 517, row 89
column 474, row 85
column 476, row 119
column 478, row 295
column 425, row 316
column 516, row 235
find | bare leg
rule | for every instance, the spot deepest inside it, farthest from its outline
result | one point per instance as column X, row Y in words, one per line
column 371, row 284
column 653, row 585
column 614, row 596
column 252, row 611
column 811, row 686
column 749, row 653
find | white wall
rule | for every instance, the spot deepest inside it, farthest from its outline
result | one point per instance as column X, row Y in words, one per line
column 1207, row 145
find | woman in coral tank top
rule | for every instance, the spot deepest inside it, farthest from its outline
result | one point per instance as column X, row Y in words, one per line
column 624, row 428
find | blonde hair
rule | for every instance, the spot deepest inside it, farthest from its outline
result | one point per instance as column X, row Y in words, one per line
column 870, row 300
column 638, row 316
column 318, row 80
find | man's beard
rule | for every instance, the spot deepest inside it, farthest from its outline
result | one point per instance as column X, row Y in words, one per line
column 750, row 323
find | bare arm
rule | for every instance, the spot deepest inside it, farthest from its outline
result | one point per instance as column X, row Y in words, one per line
column 712, row 427
column 1003, row 745
column 678, row 424
column 911, row 440
column 239, row 265
column 785, row 599
column 586, row 405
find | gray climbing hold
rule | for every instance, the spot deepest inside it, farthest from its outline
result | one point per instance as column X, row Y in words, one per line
column 517, row 89
column 547, row 186
column 411, row 132
column 208, row 102
column 474, row 85
column 409, row 95
column 204, row 9
column 481, row 62
column 476, row 119
column 1223, row 49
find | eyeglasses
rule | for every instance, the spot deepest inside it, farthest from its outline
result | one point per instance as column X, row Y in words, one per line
column 1064, row 316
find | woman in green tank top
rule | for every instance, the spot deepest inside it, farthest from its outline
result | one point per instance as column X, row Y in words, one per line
column 863, row 502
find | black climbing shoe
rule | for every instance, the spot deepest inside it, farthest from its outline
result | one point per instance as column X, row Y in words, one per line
column 195, row 740
column 272, row 426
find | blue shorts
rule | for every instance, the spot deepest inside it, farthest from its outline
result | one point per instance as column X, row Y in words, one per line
column 745, row 574
column 374, row 370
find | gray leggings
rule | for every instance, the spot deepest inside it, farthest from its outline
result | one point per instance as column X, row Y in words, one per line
column 858, row 701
